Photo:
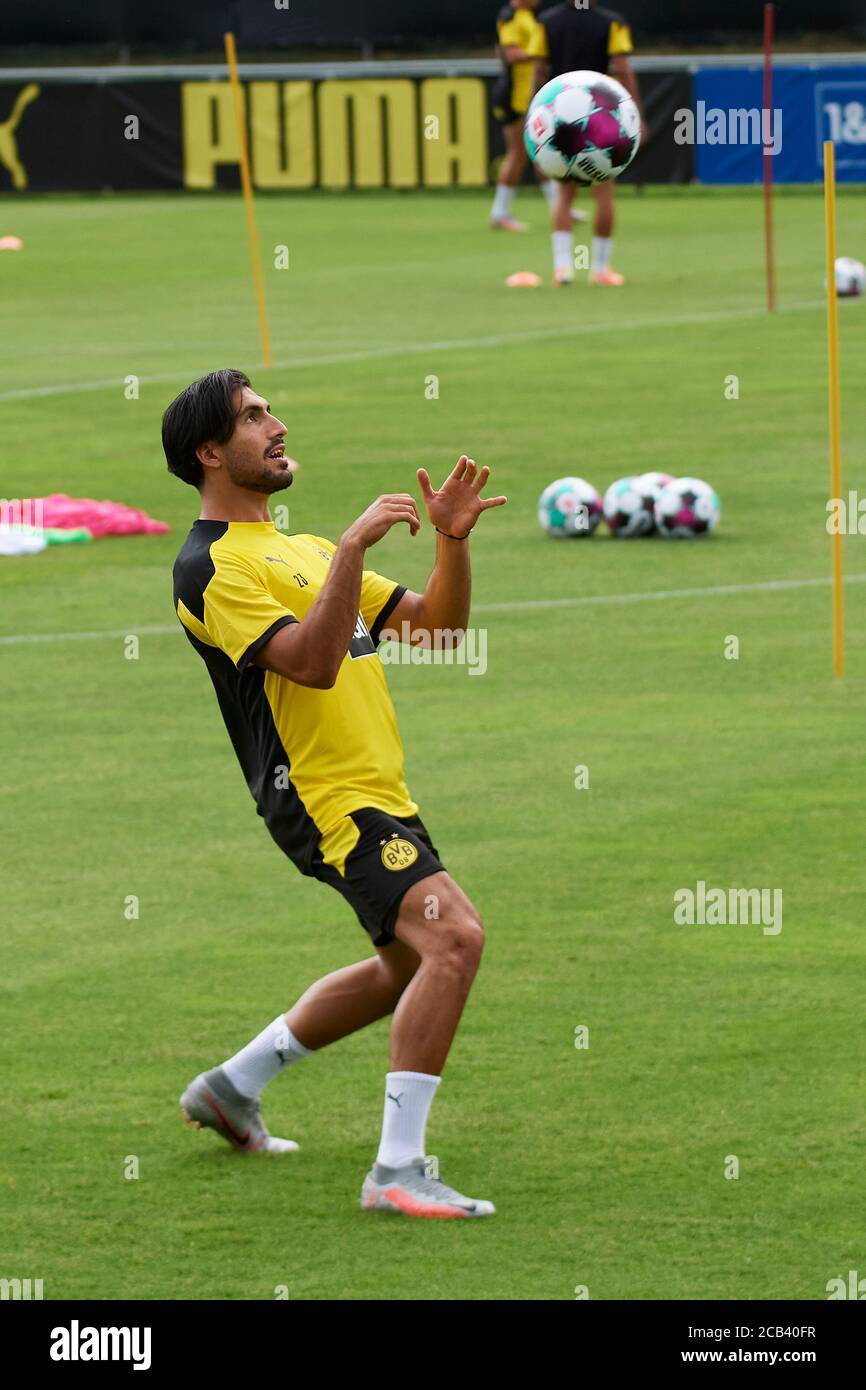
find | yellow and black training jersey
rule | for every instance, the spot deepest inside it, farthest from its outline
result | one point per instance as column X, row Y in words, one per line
column 309, row 756
column 515, row 28
column 571, row 40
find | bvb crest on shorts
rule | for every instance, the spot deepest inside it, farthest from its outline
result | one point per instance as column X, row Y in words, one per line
column 398, row 853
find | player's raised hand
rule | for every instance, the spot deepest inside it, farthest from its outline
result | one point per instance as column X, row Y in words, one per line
column 458, row 503
column 381, row 515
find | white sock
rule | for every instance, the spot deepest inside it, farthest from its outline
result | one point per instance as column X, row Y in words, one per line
column 562, row 253
column 602, row 250
column 502, row 201
column 550, row 188
column 275, row 1048
column 408, row 1097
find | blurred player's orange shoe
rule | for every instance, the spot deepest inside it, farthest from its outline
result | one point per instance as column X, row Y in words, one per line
column 563, row 277
column 508, row 224
column 606, row 277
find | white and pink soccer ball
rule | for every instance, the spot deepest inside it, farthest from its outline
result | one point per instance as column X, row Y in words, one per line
column 583, row 127
column 570, row 507
column 686, row 508
column 850, row 278
column 629, row 504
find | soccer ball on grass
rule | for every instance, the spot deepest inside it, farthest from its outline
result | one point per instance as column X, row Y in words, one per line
column 687, row 508
column 850, row 278
column 570, row 507
column 629, row 506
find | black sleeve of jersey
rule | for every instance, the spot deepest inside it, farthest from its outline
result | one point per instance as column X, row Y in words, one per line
column 385, row 613
column 255, row 647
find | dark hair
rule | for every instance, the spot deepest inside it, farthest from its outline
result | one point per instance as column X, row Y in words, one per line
column 205, row 410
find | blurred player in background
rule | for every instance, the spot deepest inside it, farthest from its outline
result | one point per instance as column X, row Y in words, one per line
column 516, row 28
column 571, row 36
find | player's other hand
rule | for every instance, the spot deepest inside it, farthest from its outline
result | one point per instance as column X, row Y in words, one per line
column 384, row 513
column 457, row 505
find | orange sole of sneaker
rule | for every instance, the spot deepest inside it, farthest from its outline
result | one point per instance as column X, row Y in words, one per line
column 427, row 1211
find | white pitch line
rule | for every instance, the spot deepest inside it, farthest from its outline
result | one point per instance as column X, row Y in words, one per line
column 19, row 639
column 513, row 606
column 445, row 345
column 715, row 590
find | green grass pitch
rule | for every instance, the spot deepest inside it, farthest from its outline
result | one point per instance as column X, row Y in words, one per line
column 608, row 1164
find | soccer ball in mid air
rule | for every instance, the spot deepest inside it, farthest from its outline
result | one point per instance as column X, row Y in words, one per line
column 629, row 506
column 850, row 278
column 569, row 507
column 686, row 508
column 582, row 126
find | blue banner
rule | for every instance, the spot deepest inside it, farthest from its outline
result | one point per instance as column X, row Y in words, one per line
column 811, row 105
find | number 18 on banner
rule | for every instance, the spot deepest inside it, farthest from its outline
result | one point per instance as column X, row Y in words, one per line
column 842, row 119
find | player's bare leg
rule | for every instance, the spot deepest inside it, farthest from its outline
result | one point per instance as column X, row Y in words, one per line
column 550, row 189
column 449, row 946
column 561, row 235
column 227, row 1097
column 352, row 998
column 511, row 172
column 602, row 240
column 441, row 925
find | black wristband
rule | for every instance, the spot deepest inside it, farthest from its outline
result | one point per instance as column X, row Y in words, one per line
column 455, row 538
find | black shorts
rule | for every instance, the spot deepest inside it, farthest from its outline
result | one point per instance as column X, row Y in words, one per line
column 390, row 855
column 503, row 111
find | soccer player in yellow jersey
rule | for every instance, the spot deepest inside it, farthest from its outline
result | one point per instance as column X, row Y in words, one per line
column 575, row 35
column 288, row 627
column 516, row 33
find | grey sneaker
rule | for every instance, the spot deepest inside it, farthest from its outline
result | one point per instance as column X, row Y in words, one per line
column 410, row 1191
column 212, row 1102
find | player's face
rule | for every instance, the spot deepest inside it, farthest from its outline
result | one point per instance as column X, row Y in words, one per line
column 254, row 457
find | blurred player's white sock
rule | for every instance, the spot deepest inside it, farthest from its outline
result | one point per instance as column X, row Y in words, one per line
column 562, row 254
column 408, row 1097
column 549, row 189
column 264, row 1058
column 602, row 250
column 502, row 202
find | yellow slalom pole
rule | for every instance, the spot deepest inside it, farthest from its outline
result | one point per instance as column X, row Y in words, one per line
column 247, row 185
column 833, row 376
